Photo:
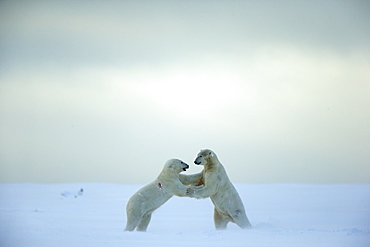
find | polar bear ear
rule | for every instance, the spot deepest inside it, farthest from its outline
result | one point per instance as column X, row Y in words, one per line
column 211, row 154
column 170, row 165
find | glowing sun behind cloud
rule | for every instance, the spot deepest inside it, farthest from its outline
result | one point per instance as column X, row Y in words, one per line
column 189, row 94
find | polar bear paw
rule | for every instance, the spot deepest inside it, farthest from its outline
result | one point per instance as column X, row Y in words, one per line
column 192, row 190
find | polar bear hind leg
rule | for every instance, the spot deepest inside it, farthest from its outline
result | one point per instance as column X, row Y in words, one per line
column 134, row 216
column 132, row 222
column 220, row 220
column 144, row 222
column 241, row 219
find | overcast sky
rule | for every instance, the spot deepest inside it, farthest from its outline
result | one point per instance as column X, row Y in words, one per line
column 108, row 91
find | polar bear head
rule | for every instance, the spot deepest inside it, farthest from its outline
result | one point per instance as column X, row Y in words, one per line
column 205, row 157
column 176, row 165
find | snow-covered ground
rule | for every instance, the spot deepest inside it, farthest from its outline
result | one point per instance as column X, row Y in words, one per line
column 282, row 215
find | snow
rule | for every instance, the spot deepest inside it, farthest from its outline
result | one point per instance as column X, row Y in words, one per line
column 281, row 214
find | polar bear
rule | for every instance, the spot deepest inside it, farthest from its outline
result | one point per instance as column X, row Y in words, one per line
column 141, row 205
column 217, row 185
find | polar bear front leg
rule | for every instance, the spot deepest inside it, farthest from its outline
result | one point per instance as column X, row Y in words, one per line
column 180, row 191
column 193, row 179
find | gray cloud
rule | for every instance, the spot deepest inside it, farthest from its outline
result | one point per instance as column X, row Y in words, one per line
column 127, row 32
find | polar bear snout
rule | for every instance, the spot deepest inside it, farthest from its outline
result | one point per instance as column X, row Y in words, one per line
column 185, row 166
column 198, row 160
